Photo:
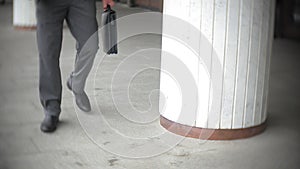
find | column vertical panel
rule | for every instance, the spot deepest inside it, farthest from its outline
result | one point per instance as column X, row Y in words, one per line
column 230, row 63
column 204, row 78
column 32, row 18
column 206, row 39
column 219, row 39
column 253, row 63
column 270, row 44
column 168, row 96
column 176, row 46
column 262, row 62
column 195, row 14
column 242, row 62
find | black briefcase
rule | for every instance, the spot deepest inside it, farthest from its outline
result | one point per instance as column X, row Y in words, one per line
column 109, row 31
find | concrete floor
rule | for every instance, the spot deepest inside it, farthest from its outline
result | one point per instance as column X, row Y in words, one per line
column 23, row 146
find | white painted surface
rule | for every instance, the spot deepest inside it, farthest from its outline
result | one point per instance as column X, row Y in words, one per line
column 24, row 13
column 205, row 51
column 270, row 44
column 253, row 62
column 245, row 22
column 232, row 34
column 234, row 42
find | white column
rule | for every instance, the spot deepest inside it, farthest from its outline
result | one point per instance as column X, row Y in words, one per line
column 232, row 72
column 24, row 14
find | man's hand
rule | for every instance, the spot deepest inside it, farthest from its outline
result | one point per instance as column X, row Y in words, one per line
column 107, row 2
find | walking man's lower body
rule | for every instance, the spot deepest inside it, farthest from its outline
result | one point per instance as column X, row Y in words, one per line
column 81, row 19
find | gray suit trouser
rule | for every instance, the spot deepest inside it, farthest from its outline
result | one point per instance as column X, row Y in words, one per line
column 81, row 19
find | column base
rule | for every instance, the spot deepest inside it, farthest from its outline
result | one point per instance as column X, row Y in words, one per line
column 25, row 28
column 211, row 134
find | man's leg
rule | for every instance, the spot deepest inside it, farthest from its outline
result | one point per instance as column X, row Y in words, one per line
column 50, row 17
column 82, row 22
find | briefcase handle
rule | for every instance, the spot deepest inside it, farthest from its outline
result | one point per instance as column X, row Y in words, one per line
column 108, row 8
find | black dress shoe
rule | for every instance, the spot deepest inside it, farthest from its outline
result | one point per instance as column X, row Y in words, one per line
column 81, row 99
column 49, row 124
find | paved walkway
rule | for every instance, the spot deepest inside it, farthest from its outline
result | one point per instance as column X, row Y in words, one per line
column 23, row 146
